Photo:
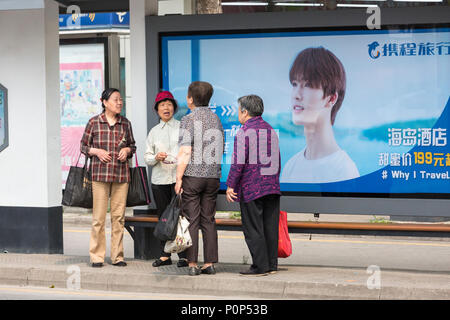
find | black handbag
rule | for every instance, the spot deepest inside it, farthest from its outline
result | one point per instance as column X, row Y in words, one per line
column 166, row 228
column 78, row 191
column 138, row 192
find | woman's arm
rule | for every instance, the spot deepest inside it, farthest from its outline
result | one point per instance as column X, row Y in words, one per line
column 86, row 145
column 184, row 156
column 240, row 157
column 131, row 143
column 150, row 155
column 86, row 140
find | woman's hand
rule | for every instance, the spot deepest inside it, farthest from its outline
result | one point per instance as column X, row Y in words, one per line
column 103, row 155
column 231, row 195
column 123, row 154
column 161, row 156
column 178, row 188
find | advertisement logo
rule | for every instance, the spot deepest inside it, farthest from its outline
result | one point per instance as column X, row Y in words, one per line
column 372, row 47
column 409, row 49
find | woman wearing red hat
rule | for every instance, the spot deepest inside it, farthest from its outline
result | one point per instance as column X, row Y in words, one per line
column 161, row 152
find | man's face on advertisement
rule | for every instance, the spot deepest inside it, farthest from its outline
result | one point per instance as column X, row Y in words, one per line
column 308, row 104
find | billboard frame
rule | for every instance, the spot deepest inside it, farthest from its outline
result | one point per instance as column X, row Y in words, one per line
column 5, row 143
column 92, row 40
column 387, row 204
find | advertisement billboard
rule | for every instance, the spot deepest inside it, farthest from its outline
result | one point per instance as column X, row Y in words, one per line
column 358, row 112
column 82, row 80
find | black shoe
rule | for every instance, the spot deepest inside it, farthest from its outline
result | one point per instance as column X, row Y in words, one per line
column 120, row 264
column 159, row 262
column 194, row 271
column 97, row 265
column 253, row 272
column 273, row 270
column 209, row 270
column 182, row 263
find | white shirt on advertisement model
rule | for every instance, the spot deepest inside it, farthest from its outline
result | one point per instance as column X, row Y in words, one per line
column 337, row 166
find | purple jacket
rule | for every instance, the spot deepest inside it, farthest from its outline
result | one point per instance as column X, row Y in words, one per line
column 255, row 170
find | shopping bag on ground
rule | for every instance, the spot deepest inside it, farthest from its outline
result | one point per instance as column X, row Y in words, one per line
column 284, row 242
column 138, row 192
column 166, row 228
column 78, row 190
column 182, row 239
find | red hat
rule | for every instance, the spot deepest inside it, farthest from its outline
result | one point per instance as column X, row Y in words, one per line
column 164, row 95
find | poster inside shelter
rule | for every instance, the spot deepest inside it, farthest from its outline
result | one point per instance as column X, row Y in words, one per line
column 392, row 125
column 81, row 84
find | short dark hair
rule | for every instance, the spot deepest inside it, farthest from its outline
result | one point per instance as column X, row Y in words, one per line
column 253, row 104
column 106, row 94
column 322, row 69
column 201, row 92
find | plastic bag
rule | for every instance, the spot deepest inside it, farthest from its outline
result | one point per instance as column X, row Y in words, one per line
column 284, row 242
column 182, row 239
column 166, row 228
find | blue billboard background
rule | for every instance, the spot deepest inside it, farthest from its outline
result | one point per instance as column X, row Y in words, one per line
column 394, row 119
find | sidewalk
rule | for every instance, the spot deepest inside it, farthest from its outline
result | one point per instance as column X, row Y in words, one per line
column 291, row 282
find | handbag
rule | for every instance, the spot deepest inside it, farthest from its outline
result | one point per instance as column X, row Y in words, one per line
column 284, row 242
column 182, row 239
column 78, row 191
column 138, row 192
column 166, row 228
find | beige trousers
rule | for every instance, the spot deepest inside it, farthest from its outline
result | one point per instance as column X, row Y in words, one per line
column 101, row 192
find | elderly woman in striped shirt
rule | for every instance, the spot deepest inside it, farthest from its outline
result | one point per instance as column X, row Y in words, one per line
column 108, row 140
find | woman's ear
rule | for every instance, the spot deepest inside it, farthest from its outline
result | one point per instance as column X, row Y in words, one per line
column 189, row 100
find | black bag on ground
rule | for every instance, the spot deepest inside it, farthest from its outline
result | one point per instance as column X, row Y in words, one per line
column 78, row 191
column 138, row 194
column 166, row 228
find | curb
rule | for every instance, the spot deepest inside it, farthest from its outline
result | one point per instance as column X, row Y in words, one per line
column 224, row 284
column 180, row 284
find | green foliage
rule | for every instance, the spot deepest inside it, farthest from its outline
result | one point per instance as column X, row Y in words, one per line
column 235, row 215
column 379, row 220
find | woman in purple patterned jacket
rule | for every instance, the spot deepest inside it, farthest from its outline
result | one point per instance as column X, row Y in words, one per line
column 254, row 182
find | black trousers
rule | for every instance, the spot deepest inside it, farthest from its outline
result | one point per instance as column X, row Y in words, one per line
column 163, row 193
column 260, row 219
column 199, row 206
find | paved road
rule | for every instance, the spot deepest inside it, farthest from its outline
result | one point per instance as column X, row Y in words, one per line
column 40, row 293
column 318, row 250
